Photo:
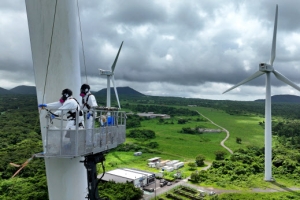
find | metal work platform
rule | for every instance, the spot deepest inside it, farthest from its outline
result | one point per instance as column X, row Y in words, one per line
column 107, row 132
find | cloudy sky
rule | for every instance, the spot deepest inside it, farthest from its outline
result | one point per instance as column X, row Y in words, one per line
column 190, row 48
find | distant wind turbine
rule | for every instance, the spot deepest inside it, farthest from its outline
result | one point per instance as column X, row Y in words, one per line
column 110, row 76
column 267, row 69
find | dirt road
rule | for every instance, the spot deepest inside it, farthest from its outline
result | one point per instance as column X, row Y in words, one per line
column 227, row 133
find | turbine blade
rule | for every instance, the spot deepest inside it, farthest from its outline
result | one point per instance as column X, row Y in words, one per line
column 116, row 59
column 116, row 92
column 285, row 80
column 253, row 76
column 273, row 52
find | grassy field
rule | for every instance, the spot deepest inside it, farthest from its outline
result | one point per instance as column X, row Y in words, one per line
column 188, row 146
column 245, row 127
column 183, row 146
column 174, row 145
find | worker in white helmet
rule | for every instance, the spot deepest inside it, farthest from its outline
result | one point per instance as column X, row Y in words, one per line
column 88, row 104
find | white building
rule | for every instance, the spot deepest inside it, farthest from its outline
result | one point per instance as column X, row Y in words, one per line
column 155, row 159
column 167, row 168
column 152, row 115
column 137, row 177
column 162, row 163
column 171, row 163
column 152, row 164
column 178, row 165
column 137, row 153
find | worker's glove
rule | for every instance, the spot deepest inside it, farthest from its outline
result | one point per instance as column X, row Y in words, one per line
column 52, row 116
column 42, row 105
column 88, row 115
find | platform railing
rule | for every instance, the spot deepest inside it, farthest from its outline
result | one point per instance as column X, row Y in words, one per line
column 107, row 131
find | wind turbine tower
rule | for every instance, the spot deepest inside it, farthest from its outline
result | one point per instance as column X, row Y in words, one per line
column 53, row 31
column 110, row 77
column 267, row 68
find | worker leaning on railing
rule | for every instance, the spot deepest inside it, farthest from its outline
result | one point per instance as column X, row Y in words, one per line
column 67, row 102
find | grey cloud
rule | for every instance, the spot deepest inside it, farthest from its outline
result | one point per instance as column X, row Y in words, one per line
column 173, row 28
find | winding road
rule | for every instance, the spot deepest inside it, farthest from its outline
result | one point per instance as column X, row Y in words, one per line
column 227, row 132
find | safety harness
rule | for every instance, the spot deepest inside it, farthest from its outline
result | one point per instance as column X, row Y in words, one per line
column 85, row 104
column 72, row 115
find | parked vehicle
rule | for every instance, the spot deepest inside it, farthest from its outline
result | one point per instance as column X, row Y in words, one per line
column 169, row 183
column 149, row 189
column 162, row 184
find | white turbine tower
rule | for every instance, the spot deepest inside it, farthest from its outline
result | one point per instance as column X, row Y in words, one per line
column 110, row 76
column 267, row 69
column 53, row 31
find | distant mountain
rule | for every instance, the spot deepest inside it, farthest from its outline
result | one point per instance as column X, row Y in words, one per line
column 285, row 98
column 121, row 91
column 4, row 91
column 23, row 89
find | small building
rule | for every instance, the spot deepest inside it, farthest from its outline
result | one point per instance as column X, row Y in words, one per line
column 167, row 168
column 162, row 163
column 171, row 163
column 178, row 165
column 155, row 159
column 152, row 164
column 137, row 153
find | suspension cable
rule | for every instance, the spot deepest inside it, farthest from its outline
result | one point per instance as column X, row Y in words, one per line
column 49, row 54
column 82, row 47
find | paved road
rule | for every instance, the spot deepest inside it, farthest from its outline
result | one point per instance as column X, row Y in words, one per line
column 227, row 133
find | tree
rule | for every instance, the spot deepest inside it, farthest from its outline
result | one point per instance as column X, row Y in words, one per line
column 144, row 134
column 152, row 145
column 161, row 120
column 220, row 155
column 133, row 121
column 192, row 165
column 120, row 191
column 200, row 160
column 182, row 121
column 238, row 140
column 195, row 176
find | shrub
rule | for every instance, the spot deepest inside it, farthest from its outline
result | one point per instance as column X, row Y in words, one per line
column 200, row 160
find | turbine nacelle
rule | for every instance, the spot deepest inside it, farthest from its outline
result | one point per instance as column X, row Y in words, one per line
column 105, row 72
column 264, row 67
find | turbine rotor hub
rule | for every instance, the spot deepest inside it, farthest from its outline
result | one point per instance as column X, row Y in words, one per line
column 264, row 67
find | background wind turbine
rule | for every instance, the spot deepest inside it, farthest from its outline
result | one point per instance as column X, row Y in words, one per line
column 110, row 76
column 267, row 69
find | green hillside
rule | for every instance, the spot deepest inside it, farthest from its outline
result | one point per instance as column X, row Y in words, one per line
column 4, row 91
column 175, row 138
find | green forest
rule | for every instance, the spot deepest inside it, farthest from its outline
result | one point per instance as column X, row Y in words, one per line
column 21, row 139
